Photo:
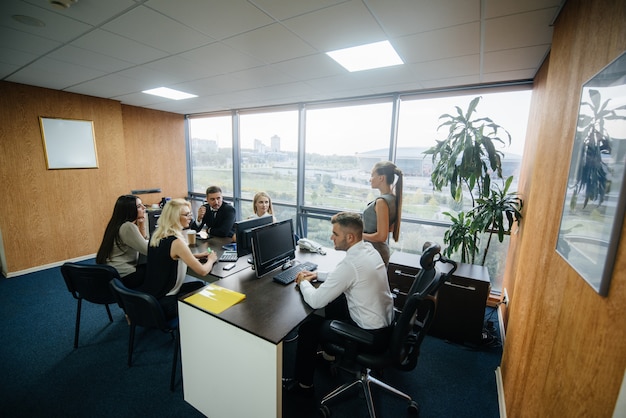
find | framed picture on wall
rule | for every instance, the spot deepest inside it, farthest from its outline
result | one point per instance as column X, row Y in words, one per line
column 593, row 211
column 68, row 143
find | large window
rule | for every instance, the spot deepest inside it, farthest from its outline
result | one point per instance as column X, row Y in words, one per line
column 342, row 145
column 211, row 141
column 269, row 157
column 418, row 129
column 341, row 141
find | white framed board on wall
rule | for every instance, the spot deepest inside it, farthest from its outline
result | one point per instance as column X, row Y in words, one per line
column 68, row 143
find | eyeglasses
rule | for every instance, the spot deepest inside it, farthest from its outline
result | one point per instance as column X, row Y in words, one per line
column 186, row 215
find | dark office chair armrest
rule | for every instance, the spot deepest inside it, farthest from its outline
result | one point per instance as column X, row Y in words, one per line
column 352, row 333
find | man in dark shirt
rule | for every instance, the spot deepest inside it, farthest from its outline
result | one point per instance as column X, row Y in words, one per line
column 219, row 217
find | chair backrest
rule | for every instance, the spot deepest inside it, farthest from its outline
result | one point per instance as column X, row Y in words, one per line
column 425, row 279
column 410, row 329
column 142, row 309
column 90, row 281
column 418, row 312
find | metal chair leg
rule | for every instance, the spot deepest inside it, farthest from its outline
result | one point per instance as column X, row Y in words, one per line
column 131, row 341
column 77, row 328
column 175, row 361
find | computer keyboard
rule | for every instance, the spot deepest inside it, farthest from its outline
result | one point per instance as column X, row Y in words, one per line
column 289, row 275
column 228, row 256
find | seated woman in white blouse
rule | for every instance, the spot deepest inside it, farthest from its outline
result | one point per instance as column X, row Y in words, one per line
column 262, row 205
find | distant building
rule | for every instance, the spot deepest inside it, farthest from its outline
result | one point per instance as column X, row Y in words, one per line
column 413, row 162
column 259, row 146
column 409, row 159
column 204, row 145
column 275, row 143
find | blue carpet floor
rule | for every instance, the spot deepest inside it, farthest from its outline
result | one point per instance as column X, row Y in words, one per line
column 44, row 376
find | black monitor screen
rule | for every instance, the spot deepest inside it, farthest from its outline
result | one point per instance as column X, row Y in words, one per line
column 273, row 245
column 243, row 231
column 153, row 220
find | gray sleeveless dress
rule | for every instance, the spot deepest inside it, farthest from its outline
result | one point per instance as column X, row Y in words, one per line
column 370, row 225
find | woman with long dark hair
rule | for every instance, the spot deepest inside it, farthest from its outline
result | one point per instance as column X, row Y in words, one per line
column 124, row 239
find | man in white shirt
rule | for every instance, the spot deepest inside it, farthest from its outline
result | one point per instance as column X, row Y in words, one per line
column 356, row 291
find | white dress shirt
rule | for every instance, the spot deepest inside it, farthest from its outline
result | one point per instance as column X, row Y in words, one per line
column 362, row 276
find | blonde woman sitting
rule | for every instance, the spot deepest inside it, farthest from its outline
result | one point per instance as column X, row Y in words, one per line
column 169, row 256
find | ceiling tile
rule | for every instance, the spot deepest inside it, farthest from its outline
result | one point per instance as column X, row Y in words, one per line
column 512, row 59
column 210, row 85
column 499, row 8
column 92, row 12
column 149, row 27
column 270, row 44
column 90, row 59
column 55, row 74
column 344, row 25
column 261, row 77
column 109, row 86
column 57, row 27
column 6, row 68
column 508, row 76
column 217, row 18
column 405, row 17
column 526, row 29
column 468, row 65
column 453, row 82
column 218, row 58
column 14, row 40
column 310, row 67
column 116, row 46
column 443, row 43
column 284, row 9
column 181, row 68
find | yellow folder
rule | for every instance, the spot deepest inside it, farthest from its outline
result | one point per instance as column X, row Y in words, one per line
column 215, row 299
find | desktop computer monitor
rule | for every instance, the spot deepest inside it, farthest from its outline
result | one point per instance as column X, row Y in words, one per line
column 243, row 233
column 273, row 246
column 153, row 220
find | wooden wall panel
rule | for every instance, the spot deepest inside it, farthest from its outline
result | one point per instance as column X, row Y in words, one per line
column 565, row 351
column 47, row 216
column 531, row 148
column 153, row 138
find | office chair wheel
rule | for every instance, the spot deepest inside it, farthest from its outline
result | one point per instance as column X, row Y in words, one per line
column 413, row 408
column 324, row 411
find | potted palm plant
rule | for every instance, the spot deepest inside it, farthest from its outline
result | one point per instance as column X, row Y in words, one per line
column 465, row 161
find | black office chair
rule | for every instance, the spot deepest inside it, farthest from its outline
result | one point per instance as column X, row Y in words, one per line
column 144, row 310
column 91, row 283
column 409, row 330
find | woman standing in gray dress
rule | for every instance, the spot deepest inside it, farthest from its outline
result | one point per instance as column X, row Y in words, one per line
column 383, row 214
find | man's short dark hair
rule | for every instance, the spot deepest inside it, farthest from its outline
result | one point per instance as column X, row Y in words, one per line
column 213, row 189
column 349, row 220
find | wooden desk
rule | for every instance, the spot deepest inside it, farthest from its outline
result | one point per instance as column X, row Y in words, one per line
column 216, row 243
column 232, row 362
